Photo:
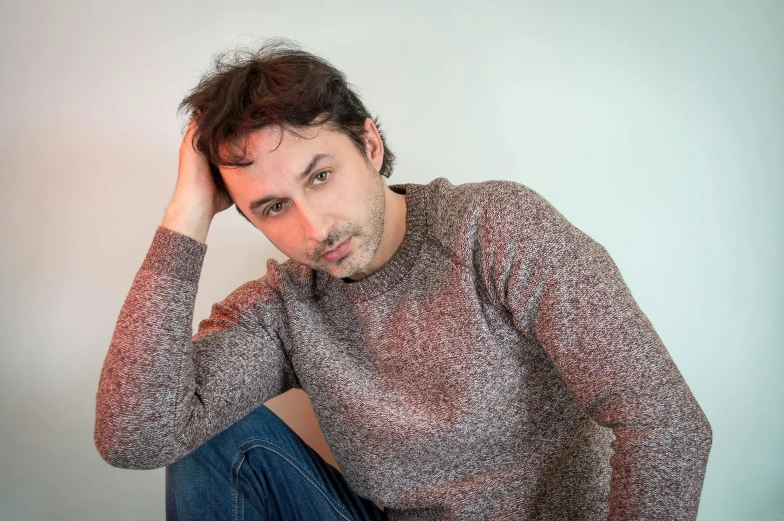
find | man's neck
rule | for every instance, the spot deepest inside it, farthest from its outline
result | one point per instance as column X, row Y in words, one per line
column 392, row 238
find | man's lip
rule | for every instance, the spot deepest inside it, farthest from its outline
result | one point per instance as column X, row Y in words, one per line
column 337, row 249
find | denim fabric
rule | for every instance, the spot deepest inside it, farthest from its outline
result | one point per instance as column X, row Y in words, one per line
column 260, row 469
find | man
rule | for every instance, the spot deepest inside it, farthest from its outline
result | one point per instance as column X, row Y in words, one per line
column 469, row 353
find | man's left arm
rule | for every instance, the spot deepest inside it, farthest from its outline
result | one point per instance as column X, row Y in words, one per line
column 563, row 287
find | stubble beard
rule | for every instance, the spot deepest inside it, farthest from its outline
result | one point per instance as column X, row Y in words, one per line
column 369, row 237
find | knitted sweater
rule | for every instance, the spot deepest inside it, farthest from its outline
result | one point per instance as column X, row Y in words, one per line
column 497, row 368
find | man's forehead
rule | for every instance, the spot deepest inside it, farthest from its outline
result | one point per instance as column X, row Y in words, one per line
column 275, row 141
column 263, row 149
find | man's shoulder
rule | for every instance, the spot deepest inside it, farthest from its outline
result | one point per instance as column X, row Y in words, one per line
column 293, row 275
column 282, row 281
column 456, row 209
column 444, row 195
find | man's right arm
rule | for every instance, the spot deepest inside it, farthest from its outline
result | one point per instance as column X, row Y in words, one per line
column 163, row 393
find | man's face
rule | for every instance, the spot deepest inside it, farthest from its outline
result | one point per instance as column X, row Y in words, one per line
column 310, row 196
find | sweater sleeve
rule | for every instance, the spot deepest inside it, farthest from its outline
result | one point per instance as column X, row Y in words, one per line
column 564, row 289
column 162, row 393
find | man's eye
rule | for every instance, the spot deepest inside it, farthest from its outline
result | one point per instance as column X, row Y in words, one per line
column 275, row 208
column 321, row 177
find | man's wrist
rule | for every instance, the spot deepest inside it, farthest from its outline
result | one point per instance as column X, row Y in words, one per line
column 188, row 219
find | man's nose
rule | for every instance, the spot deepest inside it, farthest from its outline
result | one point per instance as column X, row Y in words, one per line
column 314, row 226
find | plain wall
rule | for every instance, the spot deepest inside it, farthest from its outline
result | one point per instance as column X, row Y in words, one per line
column 655, row 127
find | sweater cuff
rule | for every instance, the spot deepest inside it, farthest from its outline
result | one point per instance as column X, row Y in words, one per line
column 175, row 254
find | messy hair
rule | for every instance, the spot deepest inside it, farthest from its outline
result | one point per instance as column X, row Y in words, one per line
column 275, row 84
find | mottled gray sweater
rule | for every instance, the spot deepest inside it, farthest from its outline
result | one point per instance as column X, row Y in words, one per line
column 497, row 368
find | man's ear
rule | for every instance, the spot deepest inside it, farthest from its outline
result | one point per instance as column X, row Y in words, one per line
column 374, row 147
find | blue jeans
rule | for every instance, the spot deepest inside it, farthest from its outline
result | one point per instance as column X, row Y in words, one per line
column 260, row 469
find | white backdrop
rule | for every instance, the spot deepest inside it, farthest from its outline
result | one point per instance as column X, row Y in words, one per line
column 655, row 127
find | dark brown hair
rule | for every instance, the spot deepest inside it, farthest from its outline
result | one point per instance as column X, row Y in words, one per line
column 277, row 84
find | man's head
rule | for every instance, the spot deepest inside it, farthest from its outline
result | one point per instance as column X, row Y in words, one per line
column 310, row 194
column 294, row 148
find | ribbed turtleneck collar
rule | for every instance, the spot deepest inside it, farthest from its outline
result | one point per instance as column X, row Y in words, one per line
column 404, row 258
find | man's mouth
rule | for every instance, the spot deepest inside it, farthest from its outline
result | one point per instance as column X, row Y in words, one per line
column 337, row 252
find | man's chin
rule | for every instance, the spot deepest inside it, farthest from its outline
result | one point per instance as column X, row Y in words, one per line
column 337, row 269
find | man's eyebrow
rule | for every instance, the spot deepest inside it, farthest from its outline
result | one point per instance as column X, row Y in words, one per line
column 315, row 160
